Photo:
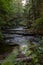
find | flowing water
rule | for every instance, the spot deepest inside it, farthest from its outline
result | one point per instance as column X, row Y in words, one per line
column 21, row 40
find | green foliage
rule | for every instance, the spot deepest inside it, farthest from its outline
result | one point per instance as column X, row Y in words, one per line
column 28, row 52
column 1, row 36
column 38, row 24
column 8, row 63
column 10, row 9
column 35, row 51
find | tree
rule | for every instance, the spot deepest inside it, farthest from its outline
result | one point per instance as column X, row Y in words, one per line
column 38, row 24
column 10, row 9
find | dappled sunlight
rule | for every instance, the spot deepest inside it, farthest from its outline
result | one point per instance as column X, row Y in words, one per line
column 24, row 2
